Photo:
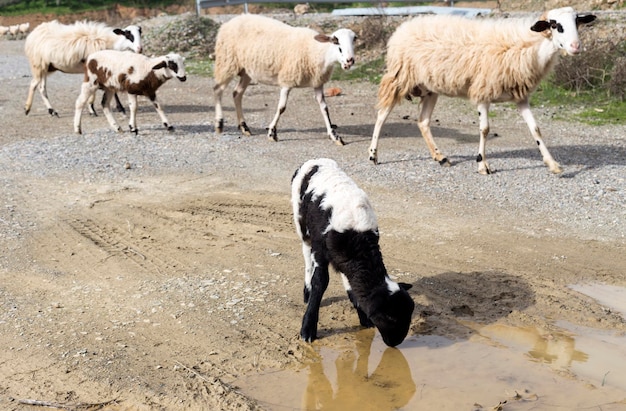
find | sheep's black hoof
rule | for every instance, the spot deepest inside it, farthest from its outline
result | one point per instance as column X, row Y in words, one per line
column 133, row 130
column 444, row 162
column 26, row 111
column 308, row 335
column 52, row 112
column 168, row 127
column 219, row 125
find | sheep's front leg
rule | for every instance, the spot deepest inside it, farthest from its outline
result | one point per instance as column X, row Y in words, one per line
column 106, row 109
column 527, row 115
column 86, row 91
column 383, row 113
column 244, row 82
column 161, row 113
column 483, row 116
column 363, row 318
column 428, row 105
column 317, row 287
column 282, row 106
column 330, row 128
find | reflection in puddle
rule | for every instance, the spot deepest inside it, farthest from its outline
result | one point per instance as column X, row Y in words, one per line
column 557, row 349
column 389, row 387
column 358, row 371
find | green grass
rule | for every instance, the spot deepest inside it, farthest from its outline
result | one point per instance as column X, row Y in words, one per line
column 371, row 71
column 202, row 68
column 589, row 106
column 74, row 6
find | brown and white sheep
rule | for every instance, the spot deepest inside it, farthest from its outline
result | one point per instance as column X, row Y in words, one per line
column 267, row 51
column 129, row 72
column 485, row 61
column 53, row 46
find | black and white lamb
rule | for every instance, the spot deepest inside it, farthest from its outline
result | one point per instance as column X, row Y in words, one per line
column 337, row 226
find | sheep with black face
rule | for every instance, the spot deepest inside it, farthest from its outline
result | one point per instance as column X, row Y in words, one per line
column 338, row 227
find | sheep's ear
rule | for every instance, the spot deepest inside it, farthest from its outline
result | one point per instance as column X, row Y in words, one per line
column 541, row 25
column 585, row 19
column 160, row 66
column 323, row 38
column 405, row 286
column 119, row 32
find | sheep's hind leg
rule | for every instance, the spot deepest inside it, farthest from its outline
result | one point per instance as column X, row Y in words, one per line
column 86, row 91
column 383, row 113
column 308, row 270
column 483, row 116
column 428, row 105
column 31, row 93
column 330, row 128
column 218, row 92
column 527, row 115
column 318, row 285
column 282, row 106
column 106, row 109
column 244, row 81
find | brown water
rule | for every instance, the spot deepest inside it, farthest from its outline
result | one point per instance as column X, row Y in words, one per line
column 530, row 369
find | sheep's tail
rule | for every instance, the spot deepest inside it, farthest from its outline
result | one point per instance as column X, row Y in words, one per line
column 394, row 86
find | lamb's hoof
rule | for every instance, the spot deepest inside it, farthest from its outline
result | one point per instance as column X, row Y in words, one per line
column 168, row 127
column 555, row 168
column 308, row 335
column 78, row 131
column 219, row 126
column 26, row 111
column 374, row 157
column 444, row 162
column 52, row 112
column 272, row 134
column 245, row 130
column 485, row 170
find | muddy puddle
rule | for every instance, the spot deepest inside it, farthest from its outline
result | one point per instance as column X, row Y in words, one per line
column 496, row 365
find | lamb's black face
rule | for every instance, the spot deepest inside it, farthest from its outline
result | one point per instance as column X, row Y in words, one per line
column 393, row 317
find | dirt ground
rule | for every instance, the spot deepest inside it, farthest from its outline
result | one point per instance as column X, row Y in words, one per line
column 159, row 289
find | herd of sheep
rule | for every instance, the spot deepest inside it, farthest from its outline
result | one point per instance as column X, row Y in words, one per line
column 15, row 31
column 483, row 60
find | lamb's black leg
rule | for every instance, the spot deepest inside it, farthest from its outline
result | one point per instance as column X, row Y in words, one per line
column 319, row 283
column 119, row 105
column 363, row 319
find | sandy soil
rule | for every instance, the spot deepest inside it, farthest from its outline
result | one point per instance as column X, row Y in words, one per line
column 160, row 289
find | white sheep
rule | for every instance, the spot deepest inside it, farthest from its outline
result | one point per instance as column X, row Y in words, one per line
column 24, row 27
column 4, row 30
column 337, row 226
column 129, row 72
column 486, row 61
column 13, row 30
column 53, row 46
column 267, row 51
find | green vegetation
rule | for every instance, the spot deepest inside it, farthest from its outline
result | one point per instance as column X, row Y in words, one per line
column 591, row 87
column 60, row 7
